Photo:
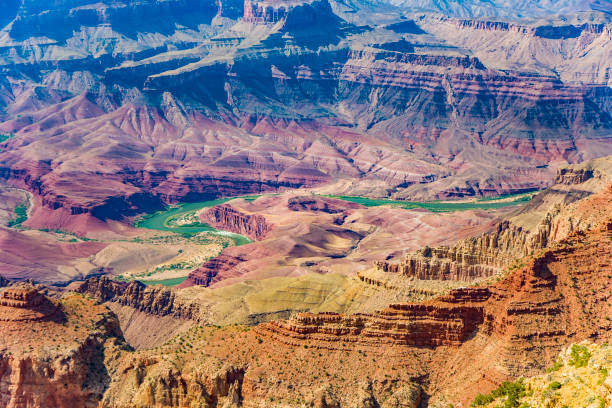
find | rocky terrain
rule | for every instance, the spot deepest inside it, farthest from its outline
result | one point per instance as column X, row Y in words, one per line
column 579, row 375
column 305, row 234
column 512, row 325
column 52, row 351
column 540, row 224
column 226, row 218
column 102, row 119
column 240, row 151
column 523, row 319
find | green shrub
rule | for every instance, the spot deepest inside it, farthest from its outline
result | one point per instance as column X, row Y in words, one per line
column 482, row 399
column 513, row 391
column 556, row 366
column 579, row 356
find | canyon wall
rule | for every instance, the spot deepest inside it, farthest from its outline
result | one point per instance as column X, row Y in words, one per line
column 447, row 321
column 268, row 11
column 153, row 300
column 227, row 218
column 200, row 111
column 511, row 328
column 488, row 254
column 149, row 381
column 53, row 351
column 207, row 272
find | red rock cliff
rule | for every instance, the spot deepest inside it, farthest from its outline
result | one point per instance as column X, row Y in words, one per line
column 227, row 218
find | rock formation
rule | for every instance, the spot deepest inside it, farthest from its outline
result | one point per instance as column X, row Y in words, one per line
column 227, row 218
column 154, row 300
column 52, row 352
column 470, row 259
column 268, row 11
column 25, row 304
column 580, row 373
column 208, row 273
column 447, row 321
column 332, row 112
column 527, row 316
column 487, row 254
column 147, row 381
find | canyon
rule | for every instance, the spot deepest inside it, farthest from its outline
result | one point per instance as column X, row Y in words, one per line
column 321, row 203
column 417, row 114
column 512, row 324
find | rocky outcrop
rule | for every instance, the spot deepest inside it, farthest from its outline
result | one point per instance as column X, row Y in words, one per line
column 4, row 282
column 153, row 300
column 149, row 381
column 489, row 253
column 227, row 218
column 448, row 321
column 469, row 259
column 580, row 373
column 514, row 327
column 408, row 396
column 205, row 275
column 26, row 304
column 268, row 11
column 58, row 360
column 569, row 176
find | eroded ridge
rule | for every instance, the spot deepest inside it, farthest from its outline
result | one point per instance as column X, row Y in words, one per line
column 449, row 320
column 559, row 211
column 226, row 217
column 25, row 303
column 525, row 317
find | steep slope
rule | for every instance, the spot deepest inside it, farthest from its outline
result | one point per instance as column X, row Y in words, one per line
column 580, row 374
column 316, row 234
column 550, row 216
column 52, row 352
column 514, row 327
column 414, row 352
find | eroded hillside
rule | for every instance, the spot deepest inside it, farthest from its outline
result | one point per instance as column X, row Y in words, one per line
column 409, row 352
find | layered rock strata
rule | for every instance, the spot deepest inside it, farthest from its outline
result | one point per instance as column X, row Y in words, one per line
column 489, row 253
column 473, row 258
column 25, row 304
column 512, row 328
column 207, row 273
column 268, row 11
column 153, row 300
column 445, row 322
column 54, row 360
column 228, row 218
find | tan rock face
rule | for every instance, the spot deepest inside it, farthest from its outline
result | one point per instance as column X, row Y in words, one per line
column 155, row 300
column 570, row 176
column 471, row 258
column 52, row 351
column 150, row 382
column 512, row 328
column 489, row 253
